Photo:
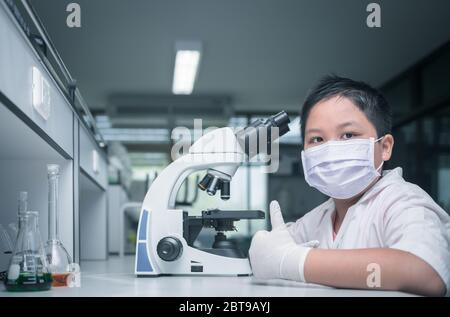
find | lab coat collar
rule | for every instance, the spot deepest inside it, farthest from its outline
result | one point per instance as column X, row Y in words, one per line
column 388, row 177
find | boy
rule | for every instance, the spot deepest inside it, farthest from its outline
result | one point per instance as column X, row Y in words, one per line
column 376, row 230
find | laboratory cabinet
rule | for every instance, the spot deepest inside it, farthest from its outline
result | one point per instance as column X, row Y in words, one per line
column 117, row 197
column 40, row 125
column 93, row 220
column 93, row 198
column 21, row 70
column 92, row 160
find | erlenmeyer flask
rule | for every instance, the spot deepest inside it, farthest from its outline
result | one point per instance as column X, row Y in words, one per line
column 57, row 257
column 28, row 266
column 7, row 245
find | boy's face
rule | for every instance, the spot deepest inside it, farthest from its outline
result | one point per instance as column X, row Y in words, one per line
column 337, row 118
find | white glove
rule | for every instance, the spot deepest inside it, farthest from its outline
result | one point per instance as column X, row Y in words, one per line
column 275, row 254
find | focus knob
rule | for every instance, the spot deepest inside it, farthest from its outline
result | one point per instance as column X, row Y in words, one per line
column 169, row 248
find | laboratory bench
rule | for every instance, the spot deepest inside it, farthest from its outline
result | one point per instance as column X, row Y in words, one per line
column 115, row 277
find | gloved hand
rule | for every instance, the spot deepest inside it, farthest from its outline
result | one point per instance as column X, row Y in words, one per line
column 275, row 254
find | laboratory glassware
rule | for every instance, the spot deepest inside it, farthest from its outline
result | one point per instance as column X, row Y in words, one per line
column 7, row 244
column 57, row 256
column 23, row 202
column 23, row 207
column 28, row 269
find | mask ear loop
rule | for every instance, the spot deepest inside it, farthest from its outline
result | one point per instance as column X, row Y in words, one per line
column 382, row 162
column 379, row 167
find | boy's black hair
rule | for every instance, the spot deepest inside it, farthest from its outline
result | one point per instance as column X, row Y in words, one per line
column 366, row 98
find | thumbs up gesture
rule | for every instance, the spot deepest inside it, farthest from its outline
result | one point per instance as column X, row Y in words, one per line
column 274, row 254
column 276, row 218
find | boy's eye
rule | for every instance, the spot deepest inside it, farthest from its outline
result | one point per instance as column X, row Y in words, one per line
column 316, row 139
column 348, row 135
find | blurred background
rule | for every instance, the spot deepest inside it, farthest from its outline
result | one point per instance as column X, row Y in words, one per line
column 257, row 57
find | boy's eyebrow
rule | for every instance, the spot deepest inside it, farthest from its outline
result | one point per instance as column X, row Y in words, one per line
column 348, row 123
column 342, row 125
column 313, row 130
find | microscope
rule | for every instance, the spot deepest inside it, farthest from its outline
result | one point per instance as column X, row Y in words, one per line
column 166, row 235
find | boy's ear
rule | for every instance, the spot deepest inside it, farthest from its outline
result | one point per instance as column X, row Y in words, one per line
column 387, row 146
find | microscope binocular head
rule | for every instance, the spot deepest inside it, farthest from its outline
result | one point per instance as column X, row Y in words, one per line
column 257, row 132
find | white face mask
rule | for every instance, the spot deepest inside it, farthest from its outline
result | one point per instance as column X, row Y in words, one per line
column 341, row 169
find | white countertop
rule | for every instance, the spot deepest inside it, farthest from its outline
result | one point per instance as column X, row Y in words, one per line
column 115, row 278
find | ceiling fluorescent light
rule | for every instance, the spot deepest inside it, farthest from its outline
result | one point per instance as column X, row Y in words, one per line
column 187, row 60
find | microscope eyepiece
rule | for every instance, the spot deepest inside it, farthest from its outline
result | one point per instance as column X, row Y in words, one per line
column 281, row 120
column 260, row 131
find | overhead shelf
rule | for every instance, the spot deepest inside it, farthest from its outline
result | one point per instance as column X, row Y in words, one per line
column 17, row 61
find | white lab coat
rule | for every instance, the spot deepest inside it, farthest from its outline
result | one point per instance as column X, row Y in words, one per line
column 392, row 214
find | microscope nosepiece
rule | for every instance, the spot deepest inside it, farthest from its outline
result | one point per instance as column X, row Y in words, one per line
column 203, row 185
column 212, row 187
column 225, row 190
column 211, row 183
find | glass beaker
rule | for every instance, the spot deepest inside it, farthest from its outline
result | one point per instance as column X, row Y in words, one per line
column 57, row 257
column 28, row 266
